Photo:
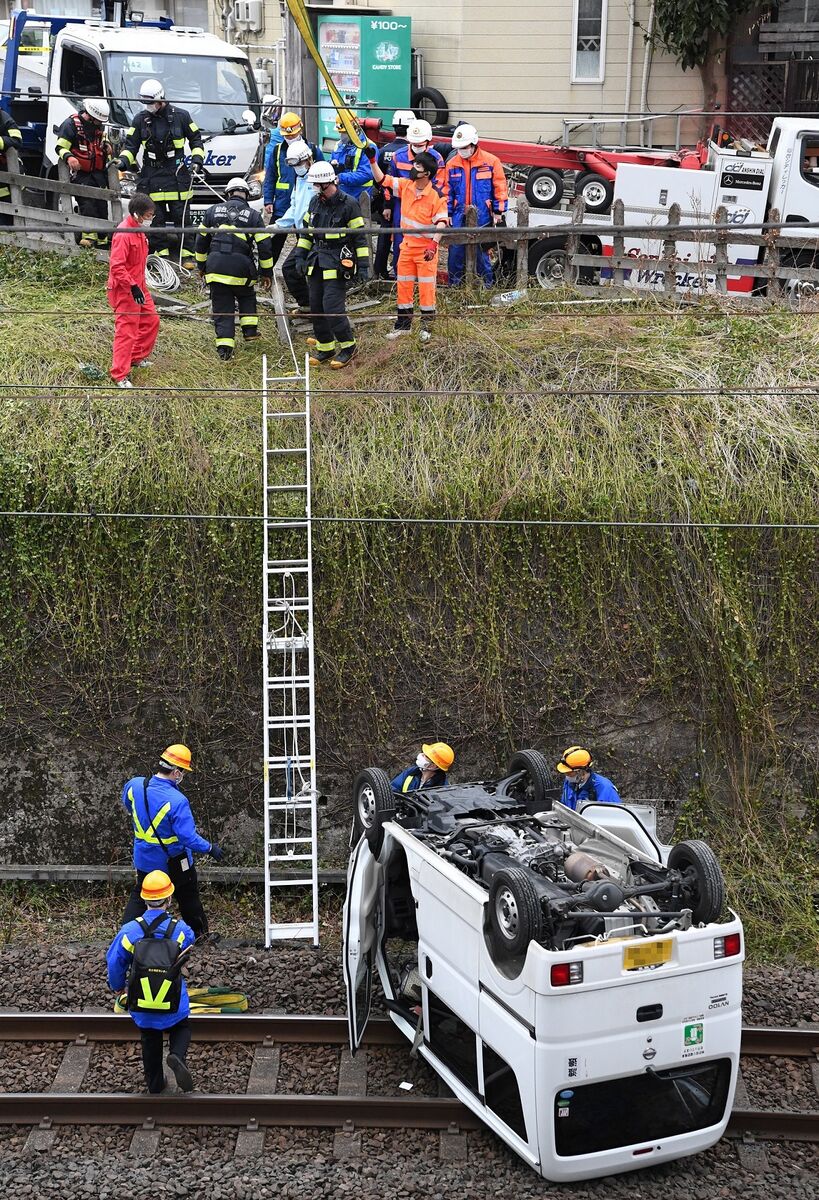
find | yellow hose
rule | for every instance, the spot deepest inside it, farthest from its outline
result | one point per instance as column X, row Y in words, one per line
column 299, row 15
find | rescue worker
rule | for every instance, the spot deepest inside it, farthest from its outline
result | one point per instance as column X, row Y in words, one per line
column 401, row 119
column 280, row 177
column 429, row 769
column 350, row 163
column 136, row 323
column 330, row 263
column 474, row 177
column 300, row 158
column 165, row 837
column 150, row 1014
column 10, row 136
column 227, row 263
column 419, row 141
column 417, row 261
column 580, row 783
column 83, row 148
column 161, row 132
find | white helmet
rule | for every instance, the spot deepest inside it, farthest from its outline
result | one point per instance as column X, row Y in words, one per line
column 464, row 135
column 402, row 117
column 419, row 131
column 297, row 152
column 237, row 184
column 321, row 172
column 152, row 91
column 97, row 108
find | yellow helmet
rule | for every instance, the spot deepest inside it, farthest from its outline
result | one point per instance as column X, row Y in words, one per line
column 156, row 886
column 576, row 758
column 177, row 756
column 441, row 754
column 340, row 118
column 291, row 124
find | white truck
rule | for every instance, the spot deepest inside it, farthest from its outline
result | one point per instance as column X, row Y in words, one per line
column 213, row 80
column 748, row 183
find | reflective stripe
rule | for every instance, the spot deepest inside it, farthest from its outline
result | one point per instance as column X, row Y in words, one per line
column 325, row 346
column 427, row 312
column 426, row 278
column 333, row 274
column 156, row 1002
column 304, row 244
column 170, row 196
column 127, row 153
column 248, row 320
column 334, row 235
column 180, row 937
column 201, row 256
column 408, row 780
column 405, row 279
column 285, row 187
column 346, row 345
column 229, row 280
column 355, row 223
column 362, row 252
column 141, row 834
column 127, row 944
column 226, row 341
column 266, row 264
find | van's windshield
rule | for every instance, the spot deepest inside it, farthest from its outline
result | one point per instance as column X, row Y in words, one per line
column 215, row 91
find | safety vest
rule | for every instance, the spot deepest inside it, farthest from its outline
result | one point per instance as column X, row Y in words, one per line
column 149, row 835
column 90, row 151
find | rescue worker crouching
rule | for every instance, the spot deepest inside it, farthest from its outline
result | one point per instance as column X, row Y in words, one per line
column 10, row 137
column 83, row 148
column 300, row 158
column 421, row 205
column 165, row 836
column 474, row 177
column 225, row 259
column 582, row 785
column 160, row 132
column 429, row 769
column 148, row 952
column 280, row 176
column 350, row 163
column 330, row 262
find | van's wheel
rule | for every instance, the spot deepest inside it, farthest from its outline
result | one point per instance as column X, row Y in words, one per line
column 596, row 190
column 536, row 783
column 700, row 870
column 543, row 187
column 373, row 804
column 549, row 263
column 430, row 105
column 515, row 915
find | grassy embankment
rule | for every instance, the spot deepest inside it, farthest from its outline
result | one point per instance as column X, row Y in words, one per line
column 501, row 636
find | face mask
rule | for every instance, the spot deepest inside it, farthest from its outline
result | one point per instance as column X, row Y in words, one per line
column 154, row 108
column 419, row 149
column 146, row 222
column 423, row 762
column 467, row 151
column 344, row 137
column 415, row 173
column 301, row 170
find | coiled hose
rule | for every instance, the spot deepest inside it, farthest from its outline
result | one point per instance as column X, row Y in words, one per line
column 160, row 274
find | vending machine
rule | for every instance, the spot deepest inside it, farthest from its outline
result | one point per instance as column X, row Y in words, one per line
column 369, row 60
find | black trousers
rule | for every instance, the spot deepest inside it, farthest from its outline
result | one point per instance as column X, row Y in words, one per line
column 277, row 241
column 89, row 207
column 224, row 301
column 169, row 213
column 328, row 299
column 296, row 283
column 186, row 894
column 179, row 1038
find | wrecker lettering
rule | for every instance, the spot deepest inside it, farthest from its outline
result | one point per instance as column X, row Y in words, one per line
column 214, row 160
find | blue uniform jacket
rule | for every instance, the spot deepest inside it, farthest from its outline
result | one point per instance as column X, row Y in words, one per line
column 276, row 136
column 279, row 177
column 596, row 787
column 356, row 174
column 410, row 780
column 120, row 956
column 174, row 832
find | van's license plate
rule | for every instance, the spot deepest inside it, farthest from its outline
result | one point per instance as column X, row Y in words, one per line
column 646, row 954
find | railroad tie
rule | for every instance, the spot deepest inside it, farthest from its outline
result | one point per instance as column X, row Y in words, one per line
column 70, row 1075
column 352, row 1081
column 263, row 1081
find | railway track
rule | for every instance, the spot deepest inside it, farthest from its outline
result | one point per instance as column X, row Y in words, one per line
column 261, row 1106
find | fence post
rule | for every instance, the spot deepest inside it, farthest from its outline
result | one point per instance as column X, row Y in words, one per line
column 721, row 249
column 578, row 213
column 772, row 257
column 116, row 207
column 619, row 247
column 365, row 204
column 670, row 251
column 15, row 166
column 470, row 221
column 522, row 247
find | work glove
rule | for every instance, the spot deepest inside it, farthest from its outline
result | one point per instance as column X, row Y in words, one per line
column 336, row 167
column 430, row 253
column 216, row 853
column 371, row 152
column 137, row 293
column 265, row 283
column 123, row 164
column 362, row 275
column 300, row 267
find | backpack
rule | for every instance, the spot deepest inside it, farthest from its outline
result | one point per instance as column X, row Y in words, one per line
column 154, row 982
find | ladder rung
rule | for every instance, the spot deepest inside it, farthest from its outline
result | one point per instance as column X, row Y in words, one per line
column 299, row 881
column 298, row 413
column 288, row 806
column 287, row 487
column 287, row 450
column 295, row 722
column 293, row 760
column 288, row 681
column 287, row 841
column 283, row 523
column 302, row 569
column 283, row 563
column 286, row 933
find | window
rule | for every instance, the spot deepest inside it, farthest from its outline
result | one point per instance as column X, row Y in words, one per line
column 809, row 158
column 501, row 1091
column 589, row 41
column 215, row 91
column 453, row 1042
column 80, row 74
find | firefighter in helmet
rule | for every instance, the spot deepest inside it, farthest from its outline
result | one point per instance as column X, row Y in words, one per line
column 82, row 146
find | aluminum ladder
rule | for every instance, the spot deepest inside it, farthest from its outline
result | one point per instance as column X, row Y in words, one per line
column 290, row 820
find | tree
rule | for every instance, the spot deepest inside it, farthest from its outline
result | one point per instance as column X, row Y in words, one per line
column 694, row 31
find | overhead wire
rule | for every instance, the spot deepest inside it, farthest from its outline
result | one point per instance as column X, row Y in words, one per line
column 806, row 390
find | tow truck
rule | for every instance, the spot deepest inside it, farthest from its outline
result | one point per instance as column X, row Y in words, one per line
column 201, row 73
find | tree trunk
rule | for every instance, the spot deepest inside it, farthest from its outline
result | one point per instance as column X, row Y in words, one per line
column 712, row 73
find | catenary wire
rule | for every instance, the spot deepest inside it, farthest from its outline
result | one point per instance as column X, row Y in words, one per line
column 803, row 390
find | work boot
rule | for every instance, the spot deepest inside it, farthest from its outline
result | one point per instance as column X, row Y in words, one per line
column 225, row 352
column 252, row 336
column 184, row 1079
column 124, row 383
column 397, row 332
column 188, row 264
column 343, row 357
column 144, row 363
column 321, row 356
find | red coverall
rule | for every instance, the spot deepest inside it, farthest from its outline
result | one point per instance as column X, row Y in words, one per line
column 136, row 325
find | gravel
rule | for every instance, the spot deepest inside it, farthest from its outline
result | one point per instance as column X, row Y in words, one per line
column 29, row 1066
column 387, row 1067
column 117, row 1067
column 92, row 1141
column 785, row 1084
column 308, row 1070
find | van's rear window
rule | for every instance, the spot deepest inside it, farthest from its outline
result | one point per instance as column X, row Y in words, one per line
column 640, row 1108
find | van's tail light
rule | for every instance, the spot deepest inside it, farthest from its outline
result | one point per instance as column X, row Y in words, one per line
column 728, row 946
column 563, row 974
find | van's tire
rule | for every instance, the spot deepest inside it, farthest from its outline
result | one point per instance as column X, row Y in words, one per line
column 515, row 915
column 698, row 864
column 536, row 783
column 373, row 804
column 430, row 105
column 544, row 187
column 596, row 190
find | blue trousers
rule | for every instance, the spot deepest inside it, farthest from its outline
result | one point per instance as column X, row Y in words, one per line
column 456, row 265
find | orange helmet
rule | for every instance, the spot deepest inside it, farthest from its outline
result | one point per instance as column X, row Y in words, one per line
column 156, row 886
column 439, row 753
column 576, row 758
column 177, row 756
column 291, row 124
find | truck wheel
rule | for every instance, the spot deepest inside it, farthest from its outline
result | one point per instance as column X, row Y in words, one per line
column 373, row 803
column 596, row 190
column 430, row 105
column 515, row 916
column 544, row 187
column 549, row 263
column 535, row 785
column 698, row 865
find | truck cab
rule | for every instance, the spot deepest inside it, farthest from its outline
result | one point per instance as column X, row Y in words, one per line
column 793, row 146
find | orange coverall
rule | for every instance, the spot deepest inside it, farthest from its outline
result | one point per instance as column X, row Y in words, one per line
column 417, row 210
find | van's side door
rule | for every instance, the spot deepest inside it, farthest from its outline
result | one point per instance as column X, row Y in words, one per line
column 361, row 922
